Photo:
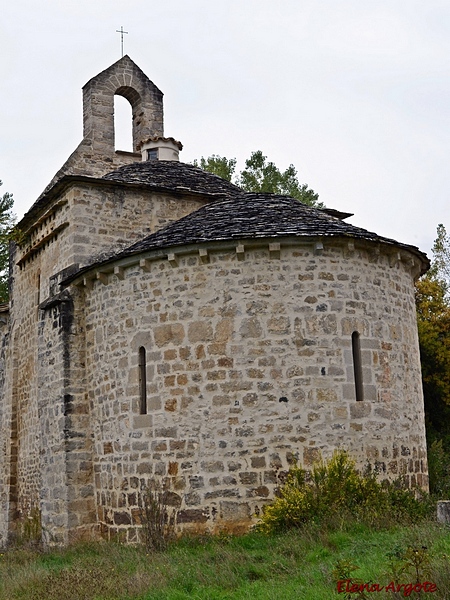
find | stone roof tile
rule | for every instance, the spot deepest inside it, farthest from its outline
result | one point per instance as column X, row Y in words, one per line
column 174, row 176
column 251, row 217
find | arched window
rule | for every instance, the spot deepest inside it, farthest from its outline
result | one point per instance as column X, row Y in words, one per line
column 123, row 124
column 142, row 381
column 357, row 366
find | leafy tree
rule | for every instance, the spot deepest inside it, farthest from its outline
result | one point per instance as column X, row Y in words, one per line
column 6, row 225
column 219, row 165
column 440, row 267
column 433, row 321
column 260, row 175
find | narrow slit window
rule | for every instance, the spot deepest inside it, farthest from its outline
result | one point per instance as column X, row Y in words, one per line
column 357, row 366
column 142, row 381
column 38, row 294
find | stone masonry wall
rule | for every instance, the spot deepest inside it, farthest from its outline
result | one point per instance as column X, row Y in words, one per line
column 20, row 396
column 6, row 482
column 249, row 369
column 89, row 220
column 96, row 154
column 84, row 221
column 125, row 79
column 112, row 217
column 67, row 499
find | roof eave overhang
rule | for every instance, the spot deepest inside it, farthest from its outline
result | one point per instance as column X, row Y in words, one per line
column 396, row 251
column 68, row 181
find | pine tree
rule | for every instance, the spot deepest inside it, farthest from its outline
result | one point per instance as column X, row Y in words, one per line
column 7, row 220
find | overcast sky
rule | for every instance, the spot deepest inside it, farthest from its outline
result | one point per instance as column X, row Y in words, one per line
column 354, row 93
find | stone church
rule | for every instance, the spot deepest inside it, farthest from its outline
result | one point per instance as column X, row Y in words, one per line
column 164, row 325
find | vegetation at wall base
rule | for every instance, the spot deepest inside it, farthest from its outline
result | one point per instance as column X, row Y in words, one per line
column 324, row 541
column 298, row 564
column 335, row 491
column 156, row 517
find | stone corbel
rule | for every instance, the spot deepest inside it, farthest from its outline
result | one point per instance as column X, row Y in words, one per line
column 145, row 265
column 119, row 272
column 374, row 254
column 173, row 259
column 275, row 250
column 88, row 283
column 103, row 277
column 394, row 259
column 318, row 248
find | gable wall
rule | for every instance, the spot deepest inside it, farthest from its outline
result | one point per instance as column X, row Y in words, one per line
column 114, row 217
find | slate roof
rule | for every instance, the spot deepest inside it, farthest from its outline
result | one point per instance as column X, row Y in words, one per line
column 252, row 216
column 174, row 176
column 170, row 176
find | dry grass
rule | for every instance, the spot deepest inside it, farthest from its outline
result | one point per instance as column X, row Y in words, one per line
column 298, row 564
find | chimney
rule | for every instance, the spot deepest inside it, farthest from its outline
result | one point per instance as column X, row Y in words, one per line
column 160, row 148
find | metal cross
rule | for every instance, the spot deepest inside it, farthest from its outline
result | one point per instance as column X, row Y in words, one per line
column 121, row 31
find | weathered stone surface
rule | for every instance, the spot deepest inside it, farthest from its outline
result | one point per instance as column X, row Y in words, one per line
column 200, row 331
column 359, row 410
column 166, row 334
column 311, row 456
column 192, row 516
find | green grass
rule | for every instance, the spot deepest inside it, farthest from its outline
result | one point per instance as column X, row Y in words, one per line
column 295, row 565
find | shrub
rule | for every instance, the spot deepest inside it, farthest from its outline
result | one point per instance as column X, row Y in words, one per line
column 439, row 470
column 335, row 492
column 157, row 522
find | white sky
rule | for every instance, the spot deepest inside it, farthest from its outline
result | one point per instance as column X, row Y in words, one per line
column 354, row 93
